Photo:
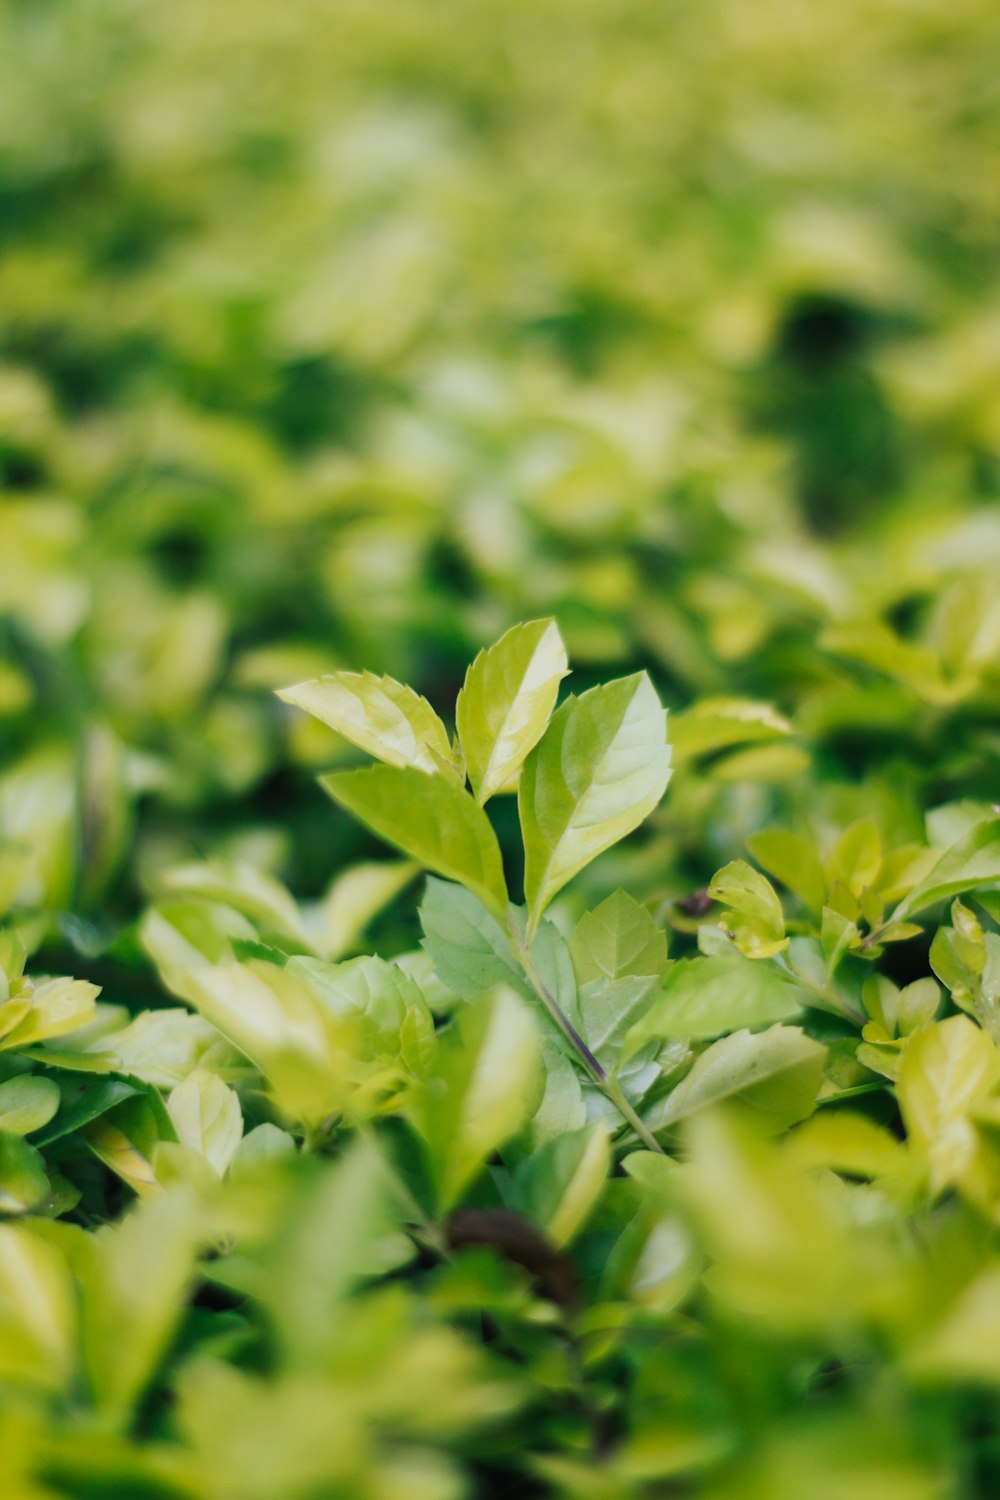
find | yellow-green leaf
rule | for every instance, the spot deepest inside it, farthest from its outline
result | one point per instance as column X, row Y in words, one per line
column 776, row 1073
column 27, row 1103
column 381, row 716
column 946, row 1069
column 484, row 1084
column 618, row 938
column 207, row 1118
column 601, row 767
column 509, row 693
column 37, row 1310
column 438, row 824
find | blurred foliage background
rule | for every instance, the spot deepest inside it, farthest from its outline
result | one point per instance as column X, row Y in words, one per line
column 347, row 334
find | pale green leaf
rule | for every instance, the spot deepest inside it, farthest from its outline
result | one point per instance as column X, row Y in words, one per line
column 485, row 1084
column 971, row 862
column 846, row 1142
column 792, row 860
column 739, row 886
column 951, row 821
column 776, row 764
column 947, row 1068
column 12, row 957
column 12, row 1013
column 58, row 1006
column 328, row 1244
column 244, row 888
column 38, row 1317
column 856, row 856
column 23, row 1183
column 356, row 896
column 563, row 1105
column 608, row 1010
column 470, row 949
column 718, row 723
column 163, row 1046
column 616, row 939
column 265, row 1143
column 509, row 694
column 705, row 997
column 776, row 1073
column 136, row 1295
column 601, row 767
column 207, row 1118
column 186, row 933
column 558, row 1186
column 964, row 1345
column 380, row 716
column 379, row 995
column 27, row 1103
column 276, row 1018
column 437, row 824
column 881, row 648
column 125, row 1140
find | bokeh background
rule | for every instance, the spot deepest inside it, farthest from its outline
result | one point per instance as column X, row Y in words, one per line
column 347, row 334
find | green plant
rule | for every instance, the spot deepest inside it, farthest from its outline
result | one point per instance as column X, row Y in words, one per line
column 585, row 778
column 641, row 1221
column 354, row 335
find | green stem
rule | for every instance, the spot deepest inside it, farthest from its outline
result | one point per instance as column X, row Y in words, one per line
column 609, row 1086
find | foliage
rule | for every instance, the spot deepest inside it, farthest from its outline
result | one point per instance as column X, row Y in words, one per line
column 631, row 1125
column 714, row 1210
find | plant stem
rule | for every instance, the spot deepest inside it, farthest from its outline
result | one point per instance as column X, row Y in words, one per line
column 609, row 1086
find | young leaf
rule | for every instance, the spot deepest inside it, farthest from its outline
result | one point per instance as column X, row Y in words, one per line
column 617, row 939
column 432, row 821
column 717, row 723
column 484, row 1086
column 12, row 956
column 264, row 1144
column 243, row 888
column 381, row 716
column 776, row 1072
column 509, row 693
column 742, row 889
column 706, row 997
column 847, row 1142
column 792, row 860
column 136, row 1294
column 23, row 1183
column 206, row 1116
column 276, row 1018
column 163, row 1046
column 125, row 1140
column 856, row 857
column 739, row 886
column 947, row 1068
column 27, row 1103
column 57, row 1006
column 386, row 1004
column 37, row 1311
column 608, row 1009
column 973, row 861
column 602, row 765
column 559, row 1185
column 470, row 949
column 354, row 897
